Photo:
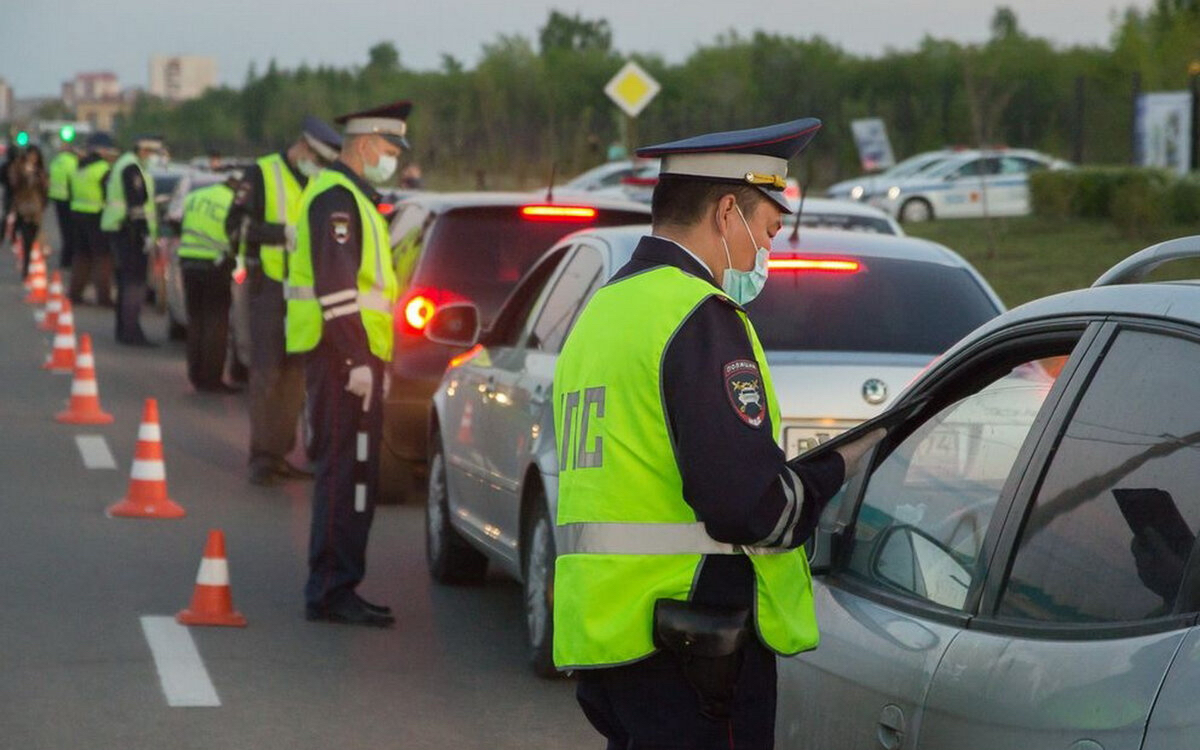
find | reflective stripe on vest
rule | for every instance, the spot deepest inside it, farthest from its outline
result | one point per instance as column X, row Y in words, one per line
column 627, row 535
column 115, row 208
column 62, row 166
column 203, row 232
column 376, row 293
column 87, row 188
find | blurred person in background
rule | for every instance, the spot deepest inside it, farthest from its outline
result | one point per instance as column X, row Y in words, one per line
column 130, row 221
column 91, row 261
column 62, row 166
column 30, row 186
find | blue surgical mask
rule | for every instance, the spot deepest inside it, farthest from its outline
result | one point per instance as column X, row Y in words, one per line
column 744, row 286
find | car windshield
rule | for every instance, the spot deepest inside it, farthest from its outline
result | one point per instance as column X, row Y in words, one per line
column 889, row 305
column 480, row 253
column 915, row 164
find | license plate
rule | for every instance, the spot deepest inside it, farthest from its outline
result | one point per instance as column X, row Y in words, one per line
column 797, row 440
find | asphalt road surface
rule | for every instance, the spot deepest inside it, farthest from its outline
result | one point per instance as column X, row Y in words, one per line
column 85, row 596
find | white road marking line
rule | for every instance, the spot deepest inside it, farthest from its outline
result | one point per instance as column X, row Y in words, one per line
column 181, row 671
column 95, row 452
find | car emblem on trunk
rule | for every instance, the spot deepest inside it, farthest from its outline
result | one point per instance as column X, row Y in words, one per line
column 874, row 391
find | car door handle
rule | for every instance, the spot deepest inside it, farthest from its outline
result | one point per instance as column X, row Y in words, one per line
column 891, row 727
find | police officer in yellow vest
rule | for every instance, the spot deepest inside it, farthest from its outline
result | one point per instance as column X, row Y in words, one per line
column 92, row 260
column 340, row 295
column 206, row 261
column 680, row 574
column 130, row 221
column 266, row 204
column 62, row 166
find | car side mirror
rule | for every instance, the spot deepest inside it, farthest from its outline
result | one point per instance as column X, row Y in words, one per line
column 454, row 324
column 912, row 560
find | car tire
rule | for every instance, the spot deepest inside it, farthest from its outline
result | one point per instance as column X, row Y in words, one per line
column 915, row 210
column 538, row 553
column 449, row 557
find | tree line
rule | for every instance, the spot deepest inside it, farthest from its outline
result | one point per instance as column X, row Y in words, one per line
column 530, row 106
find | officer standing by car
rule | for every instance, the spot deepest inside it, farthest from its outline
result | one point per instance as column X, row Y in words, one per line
column 130, row 221
column 341, row 292
column 62, row 166
column 206, row 262
column 681, row 574
column 266, row 203
column 92, row 261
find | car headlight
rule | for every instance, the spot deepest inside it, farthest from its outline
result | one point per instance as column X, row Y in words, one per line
column 856, row 192
column 893, row 192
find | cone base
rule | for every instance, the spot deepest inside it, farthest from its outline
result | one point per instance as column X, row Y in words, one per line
column 126, row 508
column 59, row 367
column 233, row 619
column 70, row 417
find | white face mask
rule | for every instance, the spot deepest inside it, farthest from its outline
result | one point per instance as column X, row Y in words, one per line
column 308, row 167
column 744, row 286
column 382, row 170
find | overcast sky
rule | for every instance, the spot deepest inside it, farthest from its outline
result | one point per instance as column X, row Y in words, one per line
column 44, row 42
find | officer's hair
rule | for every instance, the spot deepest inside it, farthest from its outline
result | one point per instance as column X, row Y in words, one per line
column 683, row 201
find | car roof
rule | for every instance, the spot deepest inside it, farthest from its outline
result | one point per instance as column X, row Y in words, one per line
column 815, row 204
column 442, row 202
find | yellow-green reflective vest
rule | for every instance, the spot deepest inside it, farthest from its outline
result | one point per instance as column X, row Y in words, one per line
column 62, row 166
column 281, row 205
column 377, row 289
column 203, row 234
column 87, row 188
column 628, row 537
column 115, row 207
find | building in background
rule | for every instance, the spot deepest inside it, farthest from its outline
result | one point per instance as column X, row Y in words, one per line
column 6, row 101
column 177, row 78
column 90, row 87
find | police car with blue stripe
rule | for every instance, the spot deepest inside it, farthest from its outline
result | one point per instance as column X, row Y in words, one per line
column 975, row 183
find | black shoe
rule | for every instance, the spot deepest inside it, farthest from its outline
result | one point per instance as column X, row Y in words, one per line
column 380, row 609
column 349, row 612
column 263, row 475
column 288, row 470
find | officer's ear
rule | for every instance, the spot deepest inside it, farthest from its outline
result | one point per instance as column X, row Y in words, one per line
column 725, row 208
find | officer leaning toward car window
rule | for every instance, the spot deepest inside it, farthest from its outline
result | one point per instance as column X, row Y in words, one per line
column 680, row 574
column 130, row 221
column 92, row 259
column 206, row 263
column 340, row 294
column 266, row 204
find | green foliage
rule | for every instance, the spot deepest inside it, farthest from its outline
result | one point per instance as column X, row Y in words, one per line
column 1136, row 199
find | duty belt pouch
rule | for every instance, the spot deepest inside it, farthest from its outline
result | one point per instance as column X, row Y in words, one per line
column 707, row 642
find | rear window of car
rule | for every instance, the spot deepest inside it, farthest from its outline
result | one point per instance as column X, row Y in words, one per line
column 481, row 253
column 889, row 306
column 847, row 222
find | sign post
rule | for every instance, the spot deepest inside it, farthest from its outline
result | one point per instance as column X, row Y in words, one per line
column 631, row 89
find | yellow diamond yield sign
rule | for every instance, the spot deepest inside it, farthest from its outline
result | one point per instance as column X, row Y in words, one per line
column 632, row 88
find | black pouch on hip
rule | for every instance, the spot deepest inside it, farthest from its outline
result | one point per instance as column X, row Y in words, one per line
column 707, row 641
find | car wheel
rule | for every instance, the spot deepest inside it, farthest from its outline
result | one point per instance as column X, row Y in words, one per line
column 916, row 210
column 449, row 558
column 537, row 565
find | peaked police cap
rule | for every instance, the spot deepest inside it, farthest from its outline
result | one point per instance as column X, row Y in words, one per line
column 389, row 121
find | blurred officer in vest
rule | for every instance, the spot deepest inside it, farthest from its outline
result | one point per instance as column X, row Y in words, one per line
column 341, row 291
column 681, row 575
column 130, row 221
column 92, row 259
column 62, row 167
column 266, row 204
column 206, row 260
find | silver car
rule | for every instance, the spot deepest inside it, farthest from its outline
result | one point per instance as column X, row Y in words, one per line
column 846, row 319
column 1017, row 568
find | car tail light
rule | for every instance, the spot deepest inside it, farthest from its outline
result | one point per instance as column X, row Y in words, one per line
column 464, row 357
column 818, row 265
column 386, row 208
column 558, row 213
column 416, row 308
column 640, row 181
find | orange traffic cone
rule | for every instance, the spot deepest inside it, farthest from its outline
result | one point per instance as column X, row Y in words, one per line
column 53, row 303
column 85, row 394
column 62, row 357
column 147, row 494
column 37, row 278
column 212, row 599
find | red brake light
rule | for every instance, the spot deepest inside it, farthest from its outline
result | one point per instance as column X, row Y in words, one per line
column 465, row 356
column 386, row 208
column 418, row 310
column 558, row 213
column 823, row 265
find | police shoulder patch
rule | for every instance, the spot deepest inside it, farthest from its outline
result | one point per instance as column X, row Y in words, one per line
column 339, row 226
column 743, row 385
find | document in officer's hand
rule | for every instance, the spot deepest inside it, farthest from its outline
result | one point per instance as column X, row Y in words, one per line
column 891, row 417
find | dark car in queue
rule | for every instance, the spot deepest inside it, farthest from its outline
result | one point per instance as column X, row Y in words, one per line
column 462, row 247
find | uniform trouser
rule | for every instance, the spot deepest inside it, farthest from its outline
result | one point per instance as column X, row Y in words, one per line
column 207, row 296
column 132, row 265
column 276, row 377
column 28, row 232
column 648, row 705
column 338, row 537
column 92, row 260
column 66, row 235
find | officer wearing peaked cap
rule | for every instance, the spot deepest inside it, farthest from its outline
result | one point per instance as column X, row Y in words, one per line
column 340, row 294
column 265, row 204
column 681, row 575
